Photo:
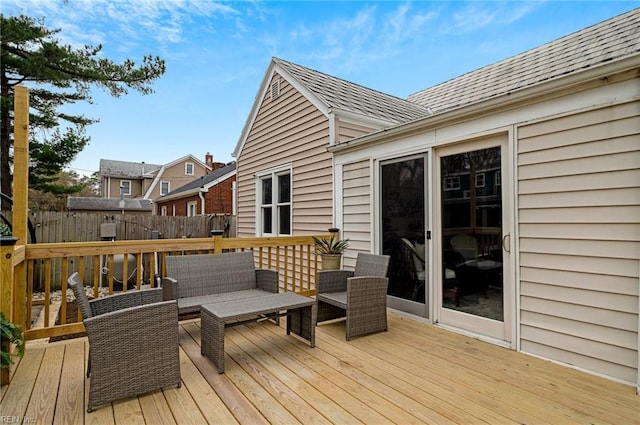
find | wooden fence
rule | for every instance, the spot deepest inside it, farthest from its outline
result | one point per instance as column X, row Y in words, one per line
column 54, row 227
column 62, row 227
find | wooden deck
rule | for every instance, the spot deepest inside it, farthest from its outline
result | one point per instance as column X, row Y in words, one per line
column 414, row 373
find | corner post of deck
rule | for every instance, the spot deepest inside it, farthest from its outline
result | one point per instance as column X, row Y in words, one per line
column 20, row 198
column 7, row 246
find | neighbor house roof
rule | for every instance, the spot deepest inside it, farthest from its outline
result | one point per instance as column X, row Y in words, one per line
column 125, row 169
column 204, row 182
column 107, row 204
column 346, row 96
column 596, row 45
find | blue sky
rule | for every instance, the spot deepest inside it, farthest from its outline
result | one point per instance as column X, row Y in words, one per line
column 217, row 53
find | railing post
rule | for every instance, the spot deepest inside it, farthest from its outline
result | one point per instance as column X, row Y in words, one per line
column 217, row 240
column 20, row 196
column 7, row 245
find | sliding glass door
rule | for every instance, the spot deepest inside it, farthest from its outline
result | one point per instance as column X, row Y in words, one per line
column 472, row 215
column 403, row 217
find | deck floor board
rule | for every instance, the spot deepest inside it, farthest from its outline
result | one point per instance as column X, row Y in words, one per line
column 414, row 373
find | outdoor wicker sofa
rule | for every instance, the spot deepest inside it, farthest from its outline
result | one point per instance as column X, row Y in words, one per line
column 133, row 343
column 199, row 279
column 359, row 295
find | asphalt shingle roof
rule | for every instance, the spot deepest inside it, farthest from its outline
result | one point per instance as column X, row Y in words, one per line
column 609, row 40
column 107, row 204
column 347, row 96
column 113, row 168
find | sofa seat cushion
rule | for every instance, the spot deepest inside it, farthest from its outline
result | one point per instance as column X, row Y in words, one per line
column 192, row 304
column 339, row 299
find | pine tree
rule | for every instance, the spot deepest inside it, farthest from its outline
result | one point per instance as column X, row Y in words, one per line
column 56, row 75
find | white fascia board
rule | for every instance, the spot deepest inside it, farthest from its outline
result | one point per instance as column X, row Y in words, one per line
column 274, row 69
column 188, row 157
column 154, row 183
column 495, row 103
column 219, row 180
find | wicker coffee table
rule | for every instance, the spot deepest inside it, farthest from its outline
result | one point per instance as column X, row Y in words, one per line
column 301, row 315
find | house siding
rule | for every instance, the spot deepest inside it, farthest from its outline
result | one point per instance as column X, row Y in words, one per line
column 357, row 208
column 349, row 130
column 176, row 177
column 579, row 239
column 288, row 130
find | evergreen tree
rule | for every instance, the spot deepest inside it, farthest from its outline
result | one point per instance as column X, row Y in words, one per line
column 56, row 75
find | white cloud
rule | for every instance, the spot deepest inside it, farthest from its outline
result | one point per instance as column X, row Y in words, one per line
column 478, row 15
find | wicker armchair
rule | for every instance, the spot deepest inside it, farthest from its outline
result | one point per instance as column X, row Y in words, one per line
column 133, row 343
column 359, row 295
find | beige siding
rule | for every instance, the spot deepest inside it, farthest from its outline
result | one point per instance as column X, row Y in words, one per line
column 176, row 177
column 348, row 130
column 356, row 209
column 579, row 246
column 288, row 130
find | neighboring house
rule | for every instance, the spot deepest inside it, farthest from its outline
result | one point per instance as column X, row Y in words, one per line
column 550, row 232
column 109, row 205
column 148, row 181
column 209, row 194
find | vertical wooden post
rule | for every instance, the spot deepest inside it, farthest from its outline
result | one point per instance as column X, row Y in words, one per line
column 217, row 241
column 20, row 195
column 6, row 289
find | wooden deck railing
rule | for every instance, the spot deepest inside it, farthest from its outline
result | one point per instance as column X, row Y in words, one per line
column 294, row 258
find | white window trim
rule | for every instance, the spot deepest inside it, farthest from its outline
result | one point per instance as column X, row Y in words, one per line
column 168, row 187
column 163, row 210
column 192, row 205
column 453, row 179
column 122, row 192
column 482, row 177
column 186, row 168
column 273, row 174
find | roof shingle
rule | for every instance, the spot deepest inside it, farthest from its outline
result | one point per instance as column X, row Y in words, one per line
column 609, row 40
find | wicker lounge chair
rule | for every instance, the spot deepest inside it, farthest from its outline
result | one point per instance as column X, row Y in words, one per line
column 133, row 343
column 359, row 295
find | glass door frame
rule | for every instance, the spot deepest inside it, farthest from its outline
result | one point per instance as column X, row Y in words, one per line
column 495, row 330
column 412, row 307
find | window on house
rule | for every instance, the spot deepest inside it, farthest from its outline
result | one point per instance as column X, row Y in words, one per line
column 125, row 187
column 192, row 208
column 274, row 195
column 188, row 168
column 452, row 183
column 163, row 210
column 498, row 178
column 164, row 188
column 480, row 180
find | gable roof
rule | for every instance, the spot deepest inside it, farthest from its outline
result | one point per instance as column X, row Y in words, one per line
column 332, row 95
column 107, row 204
column 204, row 182
column 343, row 95
column 590, row 47
column 126, row 169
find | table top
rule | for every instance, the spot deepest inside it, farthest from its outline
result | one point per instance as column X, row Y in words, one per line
column 258, row 305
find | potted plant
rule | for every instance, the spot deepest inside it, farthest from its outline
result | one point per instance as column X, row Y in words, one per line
column 6, row 237
column 10, row 333
column 330, row 251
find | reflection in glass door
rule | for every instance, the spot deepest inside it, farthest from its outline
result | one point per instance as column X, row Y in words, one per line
column 403, row 231
column 471, row 231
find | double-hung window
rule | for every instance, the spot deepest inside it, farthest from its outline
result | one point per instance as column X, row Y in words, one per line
column 274, row 202
column 164, row 188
